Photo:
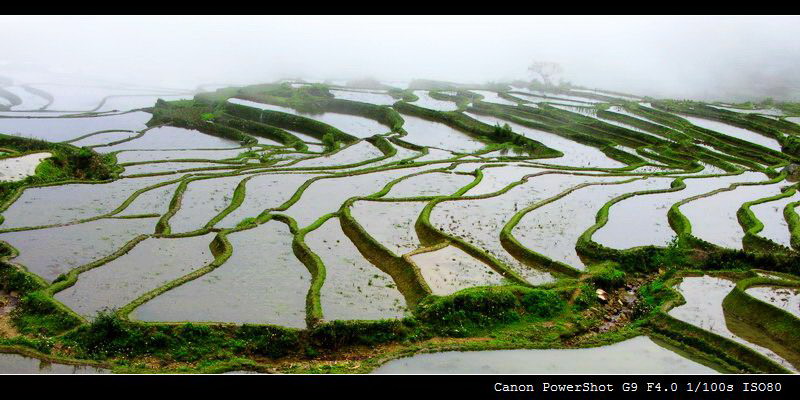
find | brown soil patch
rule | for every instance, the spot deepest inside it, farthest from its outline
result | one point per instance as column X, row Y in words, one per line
column 7, row 304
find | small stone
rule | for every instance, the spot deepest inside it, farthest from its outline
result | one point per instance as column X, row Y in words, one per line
column 792, row 172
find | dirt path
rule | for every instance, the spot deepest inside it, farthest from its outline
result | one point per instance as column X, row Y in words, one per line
column 7, row 303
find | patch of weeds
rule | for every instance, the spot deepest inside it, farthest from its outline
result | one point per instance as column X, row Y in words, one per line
column 37, row 314
column 676, row 254
column 543, row 303
column 585, row 299
column 607, row 276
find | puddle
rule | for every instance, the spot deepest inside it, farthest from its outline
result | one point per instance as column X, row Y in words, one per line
column 356, row 153
column 765, row 111
column 262, row 283
column 84, row 97
column 400, row 154
column 30, row 101
column 623, row 111
column 133, row 102
column 497, row 178
column 173, row 167
column 102, row 139
column 493, row 97
column 150, row 264
column 640, row 354
column 557, row 97
column 154, row 201
column 585, row 110
column 551, row 100
column 435, row 155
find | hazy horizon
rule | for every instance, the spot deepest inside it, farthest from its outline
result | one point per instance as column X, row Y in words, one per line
column 700, row 57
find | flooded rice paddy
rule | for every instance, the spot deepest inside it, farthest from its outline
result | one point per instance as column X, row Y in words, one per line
column 365, row 97
column 355, row 125
column 771, row 216
column 450, row 269
column 703, row 309
column 51, row 252
column 168, row 137
column 35, row 207
column 438, row 135
column 426, row 101
column 65, row 129
column 649, row 358
column 716, row 214
column 17, row 364
column 353, row 288
column 263, row 282
column 132, row 156
column 202, row 201
column 18, row 168
column 273, row 203
column 390, row 223
column 786, row 298
column 150, row 264
column 554, row 228
column 642, row 219
column 735, row 131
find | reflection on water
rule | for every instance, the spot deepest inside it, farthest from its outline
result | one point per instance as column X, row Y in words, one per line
column 639, row 354
column 17, row 364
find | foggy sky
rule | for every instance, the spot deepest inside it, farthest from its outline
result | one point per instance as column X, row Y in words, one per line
column 701, row 57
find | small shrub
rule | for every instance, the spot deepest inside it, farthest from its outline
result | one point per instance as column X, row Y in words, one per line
column 674, row 255
column 37, row 314
column 335, row 334
column 246, row 222
column 543, row 303
column 329, row 140
column 587, row 298
column 268, row 341
column 608, row 277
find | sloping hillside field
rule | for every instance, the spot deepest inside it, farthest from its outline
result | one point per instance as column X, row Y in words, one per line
column 309, row 227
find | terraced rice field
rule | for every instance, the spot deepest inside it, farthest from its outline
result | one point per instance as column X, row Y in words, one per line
column 295, row 208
